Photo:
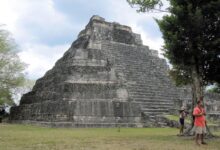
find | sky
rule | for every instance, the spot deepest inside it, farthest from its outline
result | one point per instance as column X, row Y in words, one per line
column 45, row 29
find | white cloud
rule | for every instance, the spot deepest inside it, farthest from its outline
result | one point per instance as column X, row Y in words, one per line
column 38, row 62
column 20, row 17
column 7, row 14
column 33, row 20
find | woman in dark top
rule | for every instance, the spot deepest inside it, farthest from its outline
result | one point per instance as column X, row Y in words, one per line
column 181, row 119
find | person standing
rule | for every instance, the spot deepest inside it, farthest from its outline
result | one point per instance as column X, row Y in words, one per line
column 2, row 113
column 182, row 116
column 199, row 122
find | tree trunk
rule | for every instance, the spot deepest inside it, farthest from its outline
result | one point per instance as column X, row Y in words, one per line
column 188, row 131
column 197, row 84
column 193, row 105
column 197, row 93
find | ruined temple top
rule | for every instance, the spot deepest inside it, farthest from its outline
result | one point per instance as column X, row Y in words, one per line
column 99, row 29
column 96, row 17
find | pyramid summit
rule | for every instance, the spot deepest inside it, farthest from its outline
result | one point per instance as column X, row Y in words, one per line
column 106, row 78
column 99, row 29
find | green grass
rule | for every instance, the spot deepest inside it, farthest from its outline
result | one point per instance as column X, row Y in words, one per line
column 176, row 118
column 25, row 137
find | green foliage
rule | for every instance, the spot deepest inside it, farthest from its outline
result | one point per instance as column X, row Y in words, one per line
column 180, row 76
column 192, row 41
column 29, row 84
column 191, row 35
column 146, row 5
column 25, row 88
column 11, row 67
column 215, row 89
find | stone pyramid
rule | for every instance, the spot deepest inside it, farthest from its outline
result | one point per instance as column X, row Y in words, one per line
column 106, row 78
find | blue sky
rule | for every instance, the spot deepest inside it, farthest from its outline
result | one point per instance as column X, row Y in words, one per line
column 45, row 29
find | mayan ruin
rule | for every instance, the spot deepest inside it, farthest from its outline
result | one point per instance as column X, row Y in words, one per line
column 106, row 78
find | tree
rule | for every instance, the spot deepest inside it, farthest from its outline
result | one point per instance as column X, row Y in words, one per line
column 25, row 88
column 191, row 32
column 192, row 39
column 11, row 68
column 214, row 89
column 191, row 35
column 147, row 5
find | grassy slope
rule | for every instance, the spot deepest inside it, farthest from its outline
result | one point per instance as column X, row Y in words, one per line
column 23, row 137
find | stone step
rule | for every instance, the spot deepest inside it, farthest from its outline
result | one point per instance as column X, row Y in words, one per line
column 136, row 72
column 150, row 113
column 88, row 83
column 143, row 73
column 83, row 69
column 151, row 90
column 159, row 96
column 151, row 100
column 147, row 103
column 157, row 107
column 148, row 82
column 153, row 77
column 139, row 66
column 143, row 69
column 147, row 95
column 153, row 94
column 141, row 91
column 150, row 109
column 153, row 84
column 147, row 77
column 90, row 99
column 168, row 103
column 151, row 104
column 147, row 92
column 154, row 111
column 153, row 87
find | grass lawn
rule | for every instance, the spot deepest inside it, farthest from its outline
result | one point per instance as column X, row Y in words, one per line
column 26, row 137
